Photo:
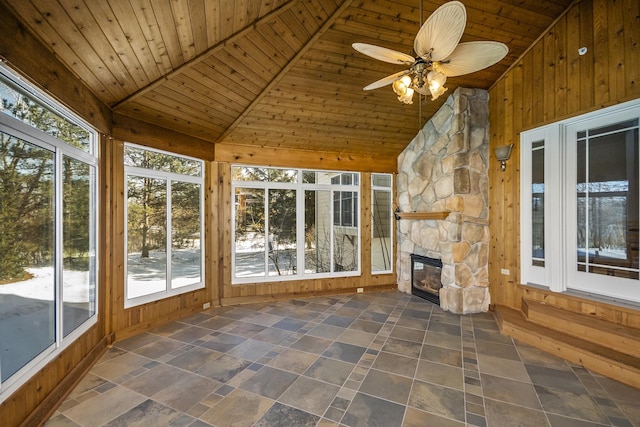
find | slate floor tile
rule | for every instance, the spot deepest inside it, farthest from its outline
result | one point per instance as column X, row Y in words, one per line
column 370, row 411
column 330, row 370
column 570, row 404
column 417, row 418
column 370, row 359
column 441, row 355
column 402, row 347
column 290, row 324
column 238, row 408
column 280, row 415
column 437, row 373
column 511, row 391
column 345, row 352
column 146, row 413
column 340, row 321
column 223, row 342
column 312, row 344
column 443, row 401
column 555, row 378
column 269, row 382
column 326, row 331
column 310, row 395
column 395, row 364
column 506, row 414
column 387, row 386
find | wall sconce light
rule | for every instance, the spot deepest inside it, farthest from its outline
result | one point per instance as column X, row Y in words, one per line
column 502, row 154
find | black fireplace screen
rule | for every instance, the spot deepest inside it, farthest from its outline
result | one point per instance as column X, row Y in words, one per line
column 426, row 278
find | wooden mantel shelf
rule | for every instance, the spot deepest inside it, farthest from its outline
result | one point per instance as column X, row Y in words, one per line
column 421, row 215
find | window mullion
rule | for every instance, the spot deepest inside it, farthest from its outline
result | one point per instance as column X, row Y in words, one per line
column 556, row 217
column 300, row 227
column 168, row 243
column 331, row 232
column 59, row 251
column 267, row 246
column 587, row 204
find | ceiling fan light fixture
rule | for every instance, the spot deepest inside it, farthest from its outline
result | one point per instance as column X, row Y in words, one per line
column 435, row 93
column 408, row 97
column 436, row 81
column 402, row 88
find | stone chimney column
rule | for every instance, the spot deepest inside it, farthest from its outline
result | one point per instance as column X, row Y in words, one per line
column 445, row 168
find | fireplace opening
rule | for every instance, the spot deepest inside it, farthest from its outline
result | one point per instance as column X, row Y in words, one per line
column 426, row 280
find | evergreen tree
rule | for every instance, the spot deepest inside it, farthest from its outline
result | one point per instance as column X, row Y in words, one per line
column 27, row 188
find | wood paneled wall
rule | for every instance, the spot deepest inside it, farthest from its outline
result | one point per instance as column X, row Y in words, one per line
column 325, row 160
column 550, row 82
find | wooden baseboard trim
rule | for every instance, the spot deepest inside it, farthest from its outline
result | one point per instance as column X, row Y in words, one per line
column 53, row 400
column 278, row 297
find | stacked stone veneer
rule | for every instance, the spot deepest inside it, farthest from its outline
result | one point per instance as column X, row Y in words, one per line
column 445, row 168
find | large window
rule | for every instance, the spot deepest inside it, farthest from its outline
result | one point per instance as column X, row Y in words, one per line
column 381, row 223
column 47, row 230
column 345, row 203
column 165, row 223
column 292, row 223
column 581, row 233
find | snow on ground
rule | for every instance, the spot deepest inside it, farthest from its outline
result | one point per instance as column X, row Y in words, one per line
column 40, row 286
column 146, row 275
column 149, row 275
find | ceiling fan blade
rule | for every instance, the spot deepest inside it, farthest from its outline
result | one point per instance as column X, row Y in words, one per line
column 441, row 31
column 384, row 54
column 385, row 81
column 472, row 56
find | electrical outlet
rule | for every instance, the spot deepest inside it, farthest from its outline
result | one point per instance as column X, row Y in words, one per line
column 360, row 290
column 505, row 271
column 206, row 305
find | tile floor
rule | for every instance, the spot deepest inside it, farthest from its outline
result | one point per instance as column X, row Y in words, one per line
column 378, row 359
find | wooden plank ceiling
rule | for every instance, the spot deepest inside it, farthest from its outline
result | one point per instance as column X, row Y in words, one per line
column 268, row 73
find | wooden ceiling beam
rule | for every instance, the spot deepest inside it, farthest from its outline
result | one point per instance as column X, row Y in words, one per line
column 299, row 158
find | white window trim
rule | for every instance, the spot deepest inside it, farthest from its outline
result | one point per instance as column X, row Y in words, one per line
column 389, row 190
column 552, row 201
column 168, row 177
column 300, row 187
column 559, row 274
column 59, row 149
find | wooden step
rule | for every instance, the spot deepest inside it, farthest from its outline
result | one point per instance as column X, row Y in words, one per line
column 617, row 337
column 598, row 358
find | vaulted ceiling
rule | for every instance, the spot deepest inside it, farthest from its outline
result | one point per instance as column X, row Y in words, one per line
column 268, row 73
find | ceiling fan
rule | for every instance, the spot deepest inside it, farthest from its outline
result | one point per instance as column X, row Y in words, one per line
column 438, row 55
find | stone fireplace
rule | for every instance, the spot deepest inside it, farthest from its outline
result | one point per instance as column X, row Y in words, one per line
column 445, row 169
